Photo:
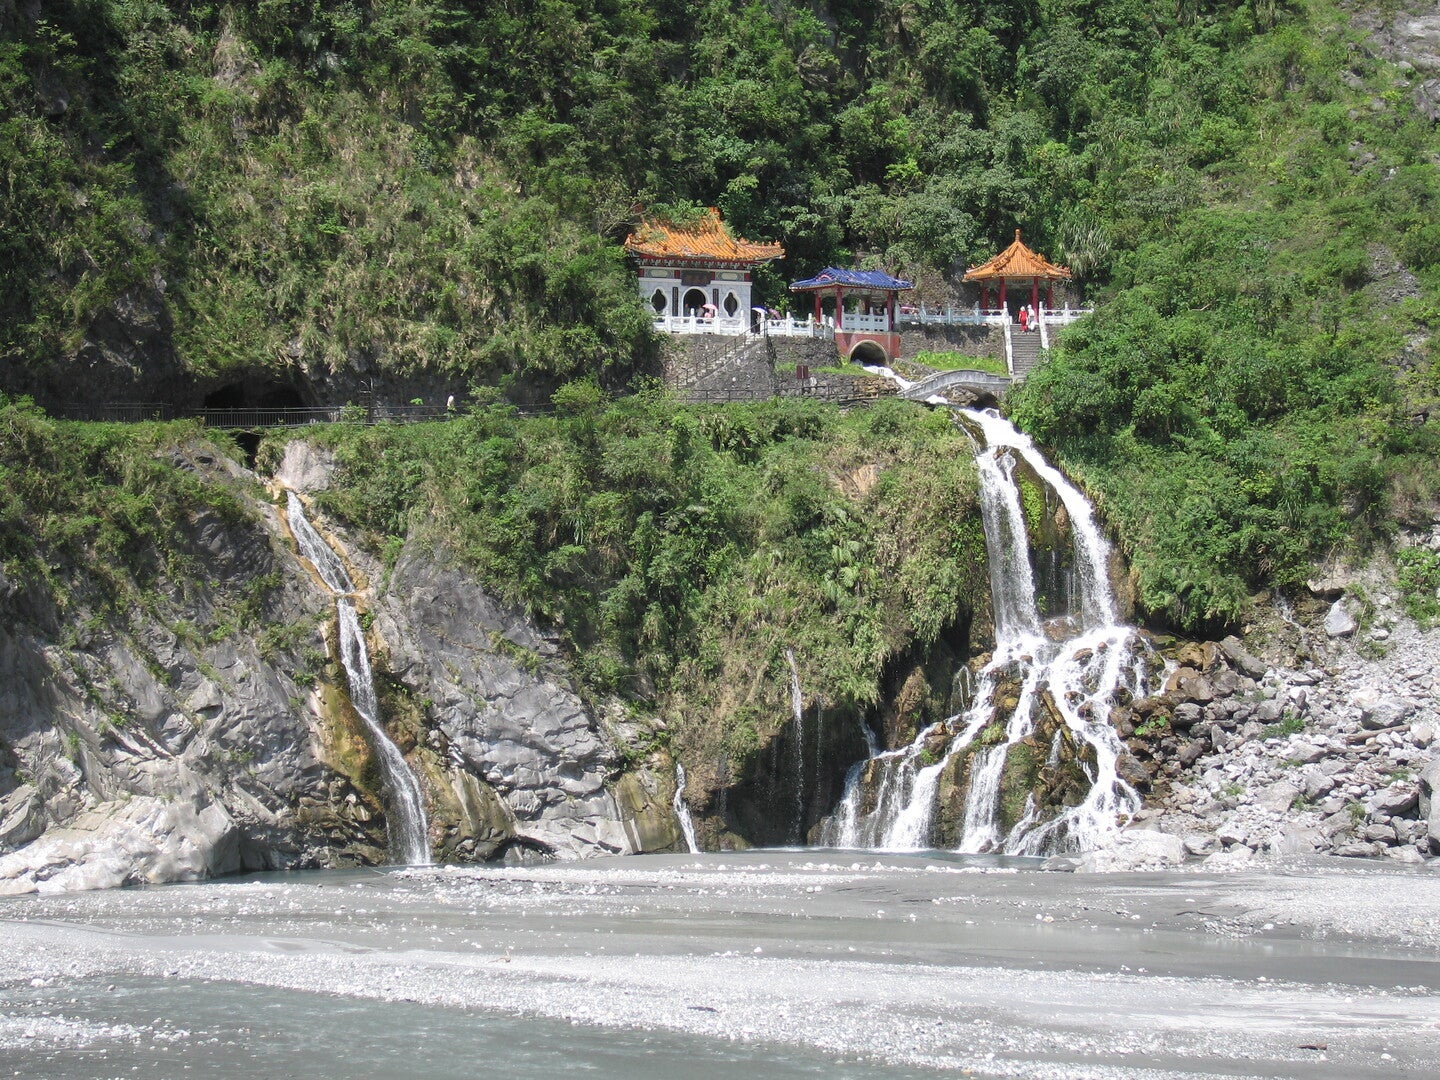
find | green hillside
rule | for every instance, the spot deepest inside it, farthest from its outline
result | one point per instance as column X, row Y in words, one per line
column 290, row 188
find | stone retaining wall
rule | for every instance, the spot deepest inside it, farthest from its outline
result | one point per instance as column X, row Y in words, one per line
column 970, row 340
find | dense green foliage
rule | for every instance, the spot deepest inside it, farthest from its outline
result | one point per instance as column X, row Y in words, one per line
column 99, row 512
column 426, row 182
column 1244, row 187
column 1419, row 580
column 680, row 551
column 1235, row 403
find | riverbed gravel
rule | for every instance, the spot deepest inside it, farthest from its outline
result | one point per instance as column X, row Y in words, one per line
column 872, row 965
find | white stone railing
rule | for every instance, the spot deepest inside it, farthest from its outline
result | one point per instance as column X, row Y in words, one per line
column 978, row 316
column 786, row 326
column 855, row 323
column 1064, row 316
column 789, row 326
column 973, row 316
column 699, row 324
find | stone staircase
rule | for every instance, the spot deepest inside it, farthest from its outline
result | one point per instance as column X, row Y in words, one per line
column 1024, row 350
column 715, row 367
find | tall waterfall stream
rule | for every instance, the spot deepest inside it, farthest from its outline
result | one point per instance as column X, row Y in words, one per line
column 1074, row 666
column 405, row 816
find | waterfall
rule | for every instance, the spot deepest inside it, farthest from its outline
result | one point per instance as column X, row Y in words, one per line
column 405, row 818
column 682, row 811
column 1092, row 553
column 797, row 712
column 890, row 799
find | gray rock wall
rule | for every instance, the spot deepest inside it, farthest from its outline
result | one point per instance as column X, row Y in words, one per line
column 204, row 727
column 970, row 340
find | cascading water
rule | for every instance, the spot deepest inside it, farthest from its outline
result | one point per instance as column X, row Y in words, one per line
column 408, row 829
column 682, row 811
column 797, row 712
column 1069, row 674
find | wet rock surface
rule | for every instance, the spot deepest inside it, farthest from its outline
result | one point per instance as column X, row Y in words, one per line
column 208, row 730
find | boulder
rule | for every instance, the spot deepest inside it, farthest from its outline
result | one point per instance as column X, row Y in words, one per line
column 1187, row 684
column 1305, row 753
column 1186, row 715
column 138, row 841
column 1379, row 711
column 305, row 468
column 1299, row 840
column 1428, row 784
column 1268, row 712
column 1241, row 659
column 22, row 817
column 1238, row 858
column 1397, row 800
column 1136, row 849
column 1279, row 797
column 1316, row 784
column 1338, row 620
column 1201, row 844
column 1360, row 850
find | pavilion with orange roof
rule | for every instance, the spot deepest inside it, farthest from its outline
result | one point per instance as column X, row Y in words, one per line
column 1018, row 262
column 697, row 277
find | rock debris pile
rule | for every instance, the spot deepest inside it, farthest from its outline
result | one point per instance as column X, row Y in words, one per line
column 1334, row 752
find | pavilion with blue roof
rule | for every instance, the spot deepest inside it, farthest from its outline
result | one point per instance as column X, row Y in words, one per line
column 867, row 331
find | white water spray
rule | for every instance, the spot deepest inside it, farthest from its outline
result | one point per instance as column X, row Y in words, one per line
column 408, row 828
column 797, row 712
column 1076, row 677
column 682, row 811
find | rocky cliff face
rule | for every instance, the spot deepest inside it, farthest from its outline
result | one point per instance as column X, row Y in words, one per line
column 1320, row 740
column 208, row 730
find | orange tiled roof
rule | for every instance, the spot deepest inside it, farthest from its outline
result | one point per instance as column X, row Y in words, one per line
column 1016, row 261
column 707, row 239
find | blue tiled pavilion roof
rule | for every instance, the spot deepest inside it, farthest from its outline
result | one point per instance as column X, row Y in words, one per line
column 852, row 279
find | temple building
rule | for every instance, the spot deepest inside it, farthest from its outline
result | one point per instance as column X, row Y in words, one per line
column 1018, row 263
column 697, row 278
column 867, row 332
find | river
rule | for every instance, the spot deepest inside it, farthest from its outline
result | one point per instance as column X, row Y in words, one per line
column 775, row 964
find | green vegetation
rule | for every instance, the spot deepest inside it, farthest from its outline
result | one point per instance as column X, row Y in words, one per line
column 682, row 551
column 1290, row 725
column 1419, row 580
column 1233, row 403
column 296, row 188
column 99, row 510
column 954, row 361
column 1154, row 727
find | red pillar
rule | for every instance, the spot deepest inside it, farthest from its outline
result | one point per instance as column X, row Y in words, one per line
column 817, row 306
column 839, row 308
column 984, row 297
column 891, row 306
column 1050, row 294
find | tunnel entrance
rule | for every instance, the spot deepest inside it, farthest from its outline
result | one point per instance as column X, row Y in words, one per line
column 256, row 394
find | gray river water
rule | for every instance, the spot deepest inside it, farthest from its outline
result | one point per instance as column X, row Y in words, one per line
column 774, row 964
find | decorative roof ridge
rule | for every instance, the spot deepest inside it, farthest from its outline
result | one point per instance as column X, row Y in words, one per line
column 856, row 279
column 708, row 239
column 1016, row 261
